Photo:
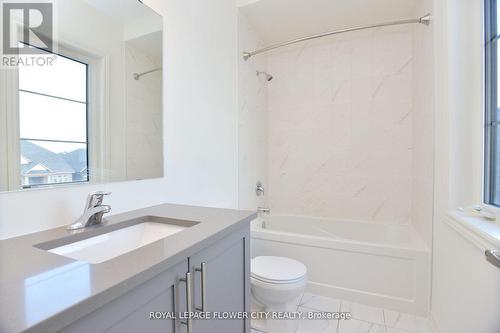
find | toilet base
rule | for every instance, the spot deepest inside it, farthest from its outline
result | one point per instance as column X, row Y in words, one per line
column 277, row 283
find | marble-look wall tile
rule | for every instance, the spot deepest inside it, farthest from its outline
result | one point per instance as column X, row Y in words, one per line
column 252, row 119
column 144, row 112
column 340, row 127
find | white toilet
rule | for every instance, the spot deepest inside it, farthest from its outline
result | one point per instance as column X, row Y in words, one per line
column 277, row 282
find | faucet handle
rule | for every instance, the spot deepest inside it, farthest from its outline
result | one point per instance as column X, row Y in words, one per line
column 95, row 199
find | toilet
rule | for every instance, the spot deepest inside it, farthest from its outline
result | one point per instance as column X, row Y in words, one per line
column 277, row 282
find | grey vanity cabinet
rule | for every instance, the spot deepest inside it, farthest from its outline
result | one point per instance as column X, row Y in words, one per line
column 130, row 312
column 221, row 275
column 225, row 285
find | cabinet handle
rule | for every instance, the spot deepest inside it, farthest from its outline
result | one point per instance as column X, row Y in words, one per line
column 203, row 271
column 493, row 257
column 188, row 321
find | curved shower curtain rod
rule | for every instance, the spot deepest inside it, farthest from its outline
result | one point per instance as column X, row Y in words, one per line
column 137, row 76
column 426, row 19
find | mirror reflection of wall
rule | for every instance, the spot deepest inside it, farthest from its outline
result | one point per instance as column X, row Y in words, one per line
column 95, row 113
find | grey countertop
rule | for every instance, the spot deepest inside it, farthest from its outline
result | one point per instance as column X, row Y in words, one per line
column 44, row 292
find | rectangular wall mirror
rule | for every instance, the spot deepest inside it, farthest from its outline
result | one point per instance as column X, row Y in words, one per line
column 93, row 112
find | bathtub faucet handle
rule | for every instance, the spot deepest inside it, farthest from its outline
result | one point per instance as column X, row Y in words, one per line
column 259, row 189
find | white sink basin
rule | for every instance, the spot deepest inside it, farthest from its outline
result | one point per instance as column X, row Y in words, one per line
column 101, row 248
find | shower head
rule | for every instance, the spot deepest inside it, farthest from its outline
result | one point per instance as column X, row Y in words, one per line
column 268, row 76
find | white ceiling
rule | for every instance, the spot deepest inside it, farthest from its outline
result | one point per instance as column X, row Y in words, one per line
column 280, row 20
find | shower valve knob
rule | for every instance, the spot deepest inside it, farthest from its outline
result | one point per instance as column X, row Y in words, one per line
column 259, row 189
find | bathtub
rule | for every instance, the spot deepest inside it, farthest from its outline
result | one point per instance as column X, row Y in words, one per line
column 377, row 264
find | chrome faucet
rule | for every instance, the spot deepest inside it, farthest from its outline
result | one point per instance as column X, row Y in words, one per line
column 93, row 212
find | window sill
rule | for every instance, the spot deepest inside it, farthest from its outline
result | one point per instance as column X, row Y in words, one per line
column 482, row 233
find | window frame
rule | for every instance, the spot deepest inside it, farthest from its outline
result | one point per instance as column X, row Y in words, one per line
column 98, row 124
column 87, row 135
column 491, row 124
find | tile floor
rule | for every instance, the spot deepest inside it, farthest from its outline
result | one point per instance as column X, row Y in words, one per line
column 365, row 319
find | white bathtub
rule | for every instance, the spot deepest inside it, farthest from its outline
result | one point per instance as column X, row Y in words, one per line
column 381, row 265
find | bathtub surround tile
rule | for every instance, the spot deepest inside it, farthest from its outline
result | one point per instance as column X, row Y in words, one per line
column 358, row 326
column 143, row 113
column 252, row 119
column 364, row 312
column 340, row 118
column 321, row 303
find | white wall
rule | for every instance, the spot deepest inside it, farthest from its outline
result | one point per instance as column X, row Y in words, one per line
column 465, row 288
column 465, row 44
column 200, row 126
column 340, row 127
column 252, row 118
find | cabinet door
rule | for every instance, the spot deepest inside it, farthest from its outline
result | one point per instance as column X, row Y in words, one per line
column 227, row 283
column 131, row 312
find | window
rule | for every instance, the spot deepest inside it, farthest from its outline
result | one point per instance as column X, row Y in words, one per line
column 492, row 105
column 53, row 113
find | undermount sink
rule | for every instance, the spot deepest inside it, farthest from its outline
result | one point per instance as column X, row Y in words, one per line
column 115, row 242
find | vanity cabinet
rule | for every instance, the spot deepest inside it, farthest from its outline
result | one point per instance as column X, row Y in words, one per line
column 130, row 312
column 221, row 276
column 219, row 280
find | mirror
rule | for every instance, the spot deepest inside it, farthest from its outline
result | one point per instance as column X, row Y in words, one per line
column 82, row 94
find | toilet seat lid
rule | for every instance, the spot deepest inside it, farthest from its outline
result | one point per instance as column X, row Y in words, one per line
column 278, row 269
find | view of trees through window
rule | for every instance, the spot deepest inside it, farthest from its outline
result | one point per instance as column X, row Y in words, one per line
column 53, row 122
